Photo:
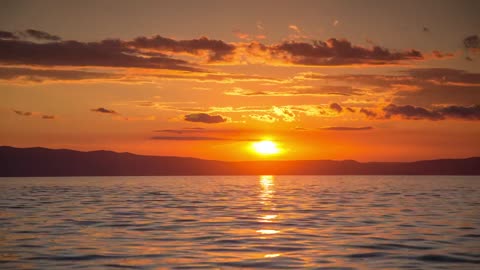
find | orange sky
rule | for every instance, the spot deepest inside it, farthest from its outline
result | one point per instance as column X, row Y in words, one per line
column 324, row 79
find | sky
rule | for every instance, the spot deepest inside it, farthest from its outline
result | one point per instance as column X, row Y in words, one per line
column 362, row 80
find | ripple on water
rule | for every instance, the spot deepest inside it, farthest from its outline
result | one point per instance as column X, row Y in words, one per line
column 264, row 222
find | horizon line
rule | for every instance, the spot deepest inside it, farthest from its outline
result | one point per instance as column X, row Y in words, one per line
column 240, row 161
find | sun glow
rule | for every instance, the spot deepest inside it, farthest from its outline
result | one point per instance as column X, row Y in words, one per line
column 266, row 148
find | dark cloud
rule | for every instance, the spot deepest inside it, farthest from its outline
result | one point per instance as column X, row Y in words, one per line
column 472, row 46
column 189, row 138
column 151, row 52
column 420, row 113
column 22, row 113
column 48, row 117
column 204, row 118
column 106, row 53
column 218, row 49
column 411, row 112
column 440, row 55
column 421, row 77
column 416, row 86
column 8, row 35
column 181, row 131
column 368, row 113
column 472, row 41
column 350, row 109
column 341, row 52
column 42, row 74
column 444, row 75
column 39, row 75
column 103, row 110
column 42, row 116
column 41, row 35
column 459, row 112
column 336, row 107
column 347, row 128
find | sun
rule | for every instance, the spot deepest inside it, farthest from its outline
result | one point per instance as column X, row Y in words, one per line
column 265, row 148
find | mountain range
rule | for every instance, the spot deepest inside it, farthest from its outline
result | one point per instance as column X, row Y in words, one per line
column 22, row 162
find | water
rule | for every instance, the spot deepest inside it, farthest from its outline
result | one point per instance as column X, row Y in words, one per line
column 221, row 222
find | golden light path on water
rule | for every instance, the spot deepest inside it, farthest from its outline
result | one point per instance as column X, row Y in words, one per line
column 267, row 185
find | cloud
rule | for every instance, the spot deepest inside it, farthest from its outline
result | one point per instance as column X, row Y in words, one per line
column 421, row 77
column 444, row 76
column 335, row 52
column 42, row 116
column 71, row 75
column 459, row 112
column 103, row 110
column 8, row 35
column 205, row 118
column 347, row 128
column 203, row 134
column 158, row 52
column 440, row 55
column 40, row 75
column 106, row 53
column 294, row 28
column 368, row 113
column 419, row 113
column 336, row 107
column 285, row 113
column 263, row 118
column 320, row 91
column 22, row 113
column 472, row 42
column 423, row 86
column 189, row 138
column 241, row 35
column 472, row 46
column 217, row 49
column 41, row 35
column 411, row 112
column 181, row 131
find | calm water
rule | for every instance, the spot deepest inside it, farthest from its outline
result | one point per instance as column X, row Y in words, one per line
column 320, row 222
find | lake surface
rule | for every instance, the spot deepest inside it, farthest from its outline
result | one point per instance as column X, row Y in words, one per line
column 223, row 222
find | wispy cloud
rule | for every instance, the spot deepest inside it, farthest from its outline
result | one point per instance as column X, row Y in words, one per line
column 29, row 114
column 347, row 128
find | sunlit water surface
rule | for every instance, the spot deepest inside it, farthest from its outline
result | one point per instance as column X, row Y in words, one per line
column 222, row 222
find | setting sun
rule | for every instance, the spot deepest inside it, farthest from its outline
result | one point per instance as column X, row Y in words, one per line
column 266, row 148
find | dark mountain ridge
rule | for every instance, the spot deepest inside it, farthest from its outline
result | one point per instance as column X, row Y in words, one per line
column 62, row 162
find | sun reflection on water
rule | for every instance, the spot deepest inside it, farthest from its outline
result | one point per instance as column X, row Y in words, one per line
column 272, row 255
column 268, row 231
column 268, row 218
column 267, row 192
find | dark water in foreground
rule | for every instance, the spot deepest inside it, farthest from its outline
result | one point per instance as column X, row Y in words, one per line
column 221, row 222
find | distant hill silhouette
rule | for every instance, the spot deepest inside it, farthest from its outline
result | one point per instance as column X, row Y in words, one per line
column 50, row 162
